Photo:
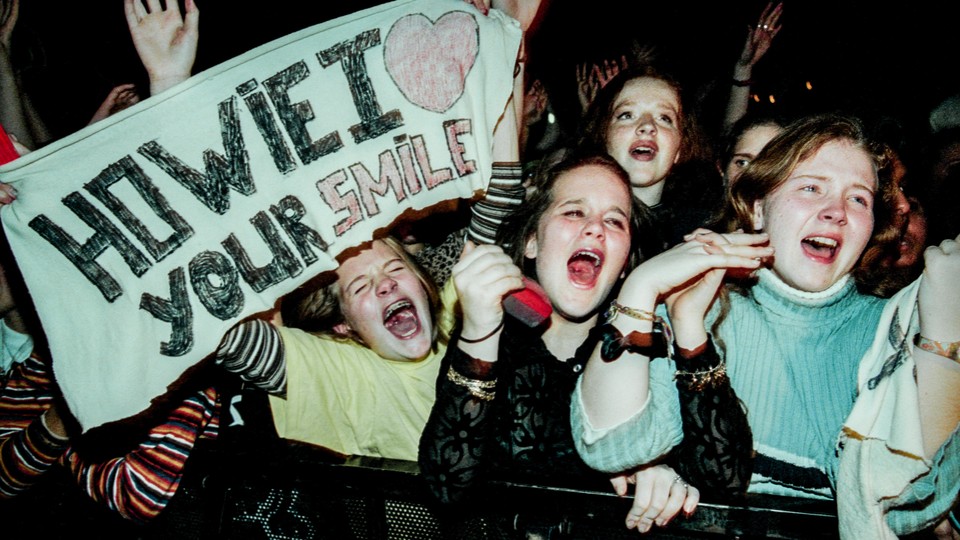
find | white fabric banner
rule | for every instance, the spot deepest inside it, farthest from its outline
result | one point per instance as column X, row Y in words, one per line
column 144, row 237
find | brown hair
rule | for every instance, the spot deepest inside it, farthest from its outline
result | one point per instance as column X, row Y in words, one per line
column 522, row 224
column 315, row 306
column 596, row 122
column 774, row 164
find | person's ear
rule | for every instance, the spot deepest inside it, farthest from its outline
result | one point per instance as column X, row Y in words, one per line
column 530, row 250
column 342, row 329
column 758, row 215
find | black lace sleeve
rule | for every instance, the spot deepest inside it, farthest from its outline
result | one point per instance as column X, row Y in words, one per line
column 458, row 437
column 716, row 454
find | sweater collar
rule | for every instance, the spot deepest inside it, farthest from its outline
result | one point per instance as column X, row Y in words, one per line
column 772, row 293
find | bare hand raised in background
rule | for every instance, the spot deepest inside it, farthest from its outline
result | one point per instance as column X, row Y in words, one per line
column 760, row 38
column 165, row 39
column 120, row 98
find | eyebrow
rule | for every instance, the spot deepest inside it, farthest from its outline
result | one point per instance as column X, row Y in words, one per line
column 582, row 201
column 827, row 179
column 385, row 264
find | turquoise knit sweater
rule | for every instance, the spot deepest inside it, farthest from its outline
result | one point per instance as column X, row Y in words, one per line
column 792, row 358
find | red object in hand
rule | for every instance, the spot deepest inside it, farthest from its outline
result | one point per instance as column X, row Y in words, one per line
column 7, row 152
column 530, row 304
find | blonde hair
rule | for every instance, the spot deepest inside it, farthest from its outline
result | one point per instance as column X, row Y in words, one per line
column 315, row 306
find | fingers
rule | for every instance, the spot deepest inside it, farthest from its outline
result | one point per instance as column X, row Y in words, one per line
column 8, row 195
column 153, row 6
column 192, row 18
column 679, row 492
column 619, row 485
column 133, row 10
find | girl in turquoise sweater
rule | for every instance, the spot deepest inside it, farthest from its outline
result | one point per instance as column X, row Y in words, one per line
column 792, row 342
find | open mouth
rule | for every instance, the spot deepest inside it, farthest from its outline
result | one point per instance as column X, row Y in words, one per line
column 400, row 319
column 644, row 150
column 583, row 268
column 821, row 248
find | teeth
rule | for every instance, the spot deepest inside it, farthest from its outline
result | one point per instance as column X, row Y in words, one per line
column 397, row 306
column 822, row 241
column 592, row 255
column 642, row 150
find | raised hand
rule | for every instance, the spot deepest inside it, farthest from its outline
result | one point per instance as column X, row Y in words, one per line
column 659, row 496
column 482, row 277
column 587, row 84
column 760, row 38
column 165, row 40
column 121, row 97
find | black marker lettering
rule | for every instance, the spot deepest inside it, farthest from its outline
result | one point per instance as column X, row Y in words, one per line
column 283, row 265
column 288, row 213
column 350, row 53
column 175, row 311
column 221, row 295
column 83, row 255
column 296, row 115
column 99, row 187
column 267, row 125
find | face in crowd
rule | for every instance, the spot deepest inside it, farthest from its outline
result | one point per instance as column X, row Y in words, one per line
column 582, row 240
column 385, row 304
column 821, row 217
column 748, row 145
column 644, row 132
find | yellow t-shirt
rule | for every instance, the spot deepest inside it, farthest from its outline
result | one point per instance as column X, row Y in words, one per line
column 345, row 397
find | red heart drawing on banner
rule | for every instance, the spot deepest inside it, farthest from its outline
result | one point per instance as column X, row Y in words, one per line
column 429, row 61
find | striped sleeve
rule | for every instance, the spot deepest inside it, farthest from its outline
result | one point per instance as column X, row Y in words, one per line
column 139, row 484
column 504, row 194
column 27, row 447
column 253, row 350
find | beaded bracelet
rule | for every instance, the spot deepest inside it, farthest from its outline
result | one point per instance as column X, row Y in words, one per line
column 482, row 390
column 949, row 350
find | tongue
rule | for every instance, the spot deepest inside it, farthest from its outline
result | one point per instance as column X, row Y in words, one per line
column 403, row 323
column 582, row 270
column 818, row 250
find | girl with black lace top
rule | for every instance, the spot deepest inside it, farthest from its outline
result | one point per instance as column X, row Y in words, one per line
column 503, row 395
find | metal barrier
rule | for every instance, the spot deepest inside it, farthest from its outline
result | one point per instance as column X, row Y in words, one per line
column 300, row 493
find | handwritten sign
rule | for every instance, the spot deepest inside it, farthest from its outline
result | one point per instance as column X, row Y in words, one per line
column 143, row 238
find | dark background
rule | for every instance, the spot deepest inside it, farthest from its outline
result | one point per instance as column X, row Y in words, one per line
column 895, row 60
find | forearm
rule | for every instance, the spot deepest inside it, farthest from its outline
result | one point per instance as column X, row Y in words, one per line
column 140, row 484
column 938, row 380
column 254, row 351
column 616, row 390
column 26, row 455
column 456, row 440
column 716, row 454
column 739, row 96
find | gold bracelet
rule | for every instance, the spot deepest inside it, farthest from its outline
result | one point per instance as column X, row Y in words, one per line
column 639, row 314
column 482, row 390
column 945, row 349
column 698, row 380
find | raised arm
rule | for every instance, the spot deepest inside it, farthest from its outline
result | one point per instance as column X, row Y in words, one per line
column 686, row 277
column 456, row 443
column 165, row 39
column 758, row 42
